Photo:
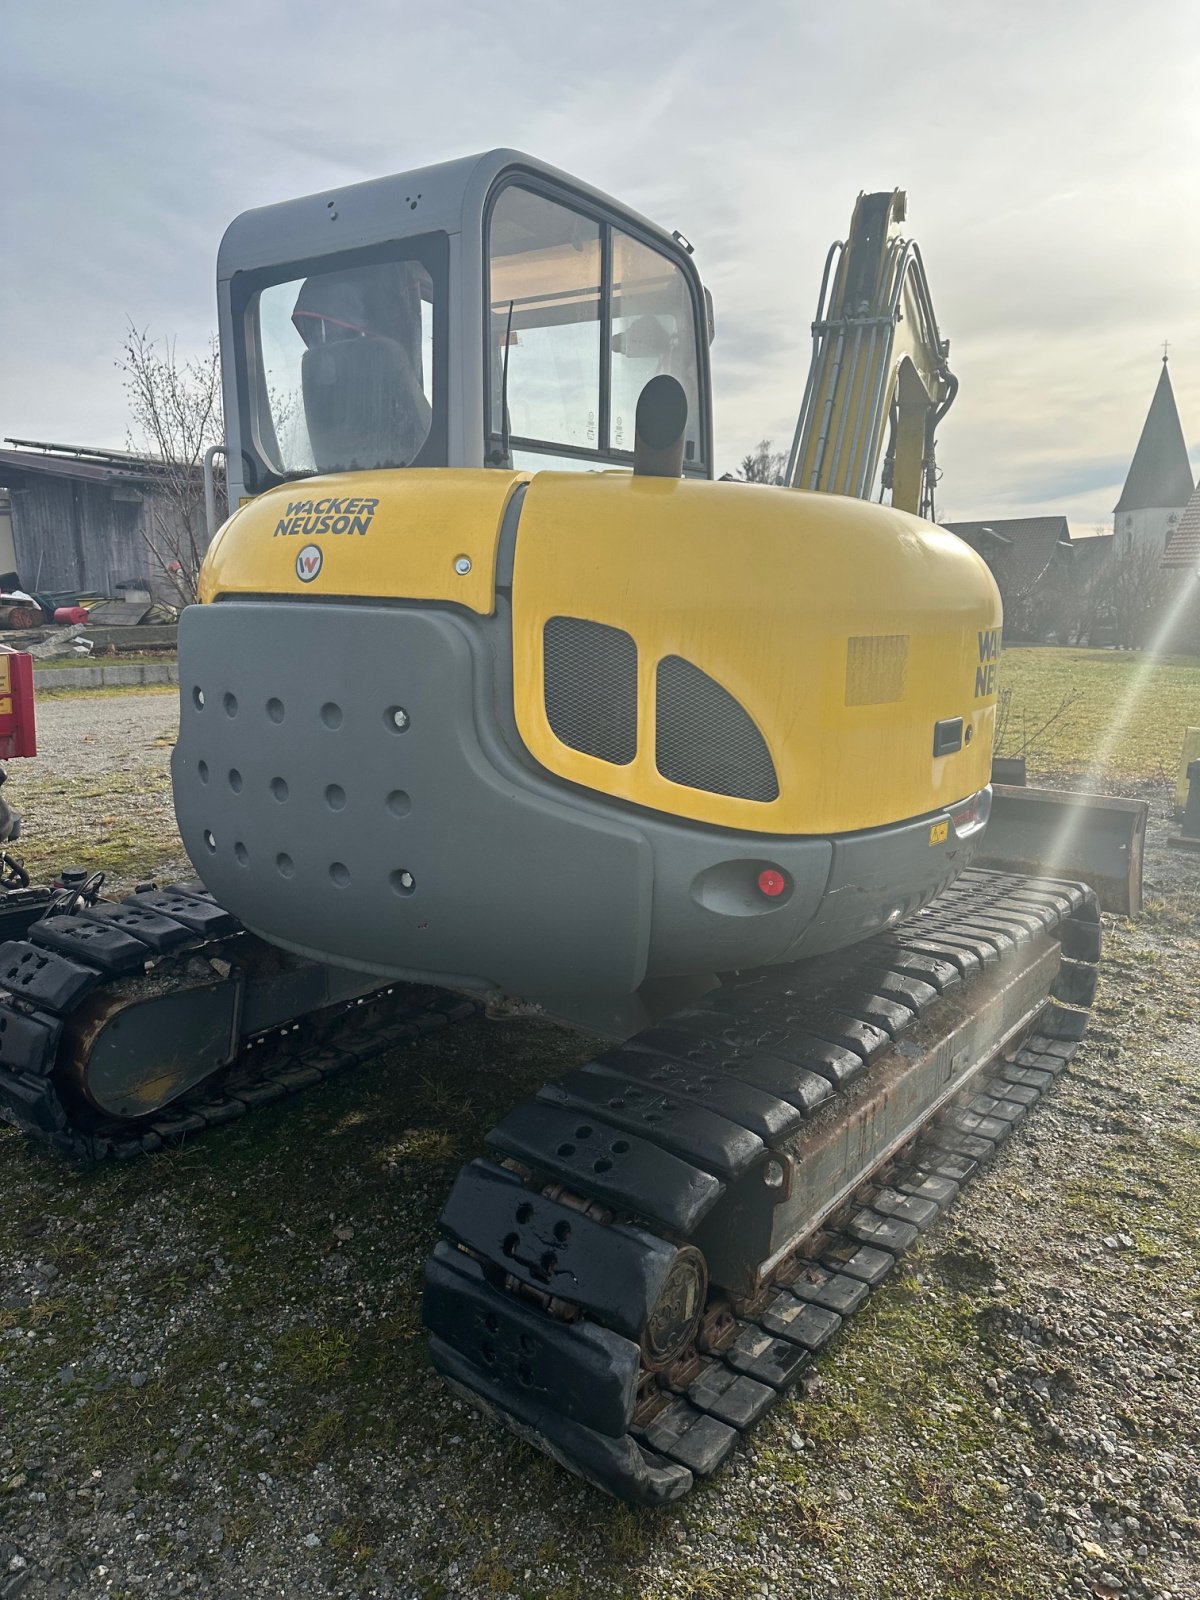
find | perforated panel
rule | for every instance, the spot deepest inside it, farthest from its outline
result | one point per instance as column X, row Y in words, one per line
column 705, row 739
column 591, row 687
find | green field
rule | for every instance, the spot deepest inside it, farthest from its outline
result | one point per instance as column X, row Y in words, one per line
column 1104, row 714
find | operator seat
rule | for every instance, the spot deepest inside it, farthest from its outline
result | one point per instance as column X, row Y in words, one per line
column 361, row 371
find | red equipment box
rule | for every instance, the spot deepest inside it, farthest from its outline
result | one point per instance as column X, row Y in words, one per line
column 18, row 721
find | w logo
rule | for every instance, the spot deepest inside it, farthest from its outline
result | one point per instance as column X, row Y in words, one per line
column 308, row 562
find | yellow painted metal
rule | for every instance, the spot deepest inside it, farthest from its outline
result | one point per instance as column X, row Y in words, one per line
column 876, row 347
column 396, row 534
column 774, row 596
column 6, row 687
column 1190, row 752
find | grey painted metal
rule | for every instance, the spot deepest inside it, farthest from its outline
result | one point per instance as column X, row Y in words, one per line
column 191, row 1029
column 754, row 1226
column 585, row 895
column 210, row 488
column 1099, row 838
column 1010, row 770
column 879, row 877
column 451, row 198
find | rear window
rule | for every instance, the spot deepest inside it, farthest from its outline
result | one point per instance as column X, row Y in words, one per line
column 345, row 363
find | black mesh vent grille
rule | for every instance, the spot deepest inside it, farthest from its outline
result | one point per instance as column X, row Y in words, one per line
column 591, row 687
column 705, row 739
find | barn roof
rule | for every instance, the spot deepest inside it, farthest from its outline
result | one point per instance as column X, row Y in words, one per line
column 1183, row 547
column 1019, row 550
column 97, row 465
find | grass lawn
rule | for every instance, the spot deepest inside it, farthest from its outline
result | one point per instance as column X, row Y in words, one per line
column 1123, row 717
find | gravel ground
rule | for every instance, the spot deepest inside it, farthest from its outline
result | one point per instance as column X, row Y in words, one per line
column 214, row 1383
column 100, row 788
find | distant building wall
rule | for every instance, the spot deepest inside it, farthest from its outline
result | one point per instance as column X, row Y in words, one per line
column 1147, row 529
column 75, row 534
column 8, row 560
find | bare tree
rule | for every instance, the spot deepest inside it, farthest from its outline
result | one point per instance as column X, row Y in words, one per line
column 1137, row 591
column 764, row 465
column 175, row 413
column 1015, row 734
column 1086, row 616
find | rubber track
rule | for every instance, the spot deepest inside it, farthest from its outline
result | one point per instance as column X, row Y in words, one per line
column 318, row 1045
column 565, row 1373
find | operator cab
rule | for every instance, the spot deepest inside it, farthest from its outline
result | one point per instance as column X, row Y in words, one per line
column 485, row 312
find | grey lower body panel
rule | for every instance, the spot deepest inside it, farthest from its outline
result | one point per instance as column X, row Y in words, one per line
column 343, row 785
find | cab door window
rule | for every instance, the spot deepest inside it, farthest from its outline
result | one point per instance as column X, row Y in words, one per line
column 545, row 315
column 653, row 331
column 582, row 315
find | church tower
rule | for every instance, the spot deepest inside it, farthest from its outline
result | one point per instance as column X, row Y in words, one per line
column 1159, row 484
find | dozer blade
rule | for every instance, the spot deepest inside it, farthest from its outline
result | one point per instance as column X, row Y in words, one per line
column 1097, row 837
column 666, row 1238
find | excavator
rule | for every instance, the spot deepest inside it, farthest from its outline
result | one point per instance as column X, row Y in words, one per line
column 494, row 688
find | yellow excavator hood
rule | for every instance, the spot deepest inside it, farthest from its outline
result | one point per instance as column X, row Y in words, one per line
column 412, row 535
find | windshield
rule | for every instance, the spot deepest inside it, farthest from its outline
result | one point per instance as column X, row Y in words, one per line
column 348, row 367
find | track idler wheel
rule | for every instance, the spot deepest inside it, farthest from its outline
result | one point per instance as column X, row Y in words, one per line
column 677, row 1312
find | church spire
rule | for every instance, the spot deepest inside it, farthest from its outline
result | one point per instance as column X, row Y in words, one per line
column 1160, row 475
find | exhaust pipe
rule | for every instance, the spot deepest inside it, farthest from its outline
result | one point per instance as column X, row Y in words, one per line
column 659, row 428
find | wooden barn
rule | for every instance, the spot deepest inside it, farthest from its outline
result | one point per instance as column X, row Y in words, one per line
column 97, row 521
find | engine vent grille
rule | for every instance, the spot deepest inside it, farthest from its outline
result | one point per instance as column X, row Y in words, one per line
column 705, row 740
column 591, row 687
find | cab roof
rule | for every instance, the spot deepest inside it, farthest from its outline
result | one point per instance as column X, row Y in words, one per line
column 447, row 197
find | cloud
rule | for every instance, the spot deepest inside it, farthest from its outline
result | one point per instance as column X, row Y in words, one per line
column 1047, row 164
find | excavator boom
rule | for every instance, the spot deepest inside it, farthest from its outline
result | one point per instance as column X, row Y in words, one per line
column 878, row 358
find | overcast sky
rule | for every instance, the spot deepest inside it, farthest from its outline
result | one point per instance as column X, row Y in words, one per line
column 1050, row 153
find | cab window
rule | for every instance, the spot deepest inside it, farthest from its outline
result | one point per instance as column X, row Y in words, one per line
column 345, row 363
column 653, row 331
column 545, row 320
column 581, row 316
